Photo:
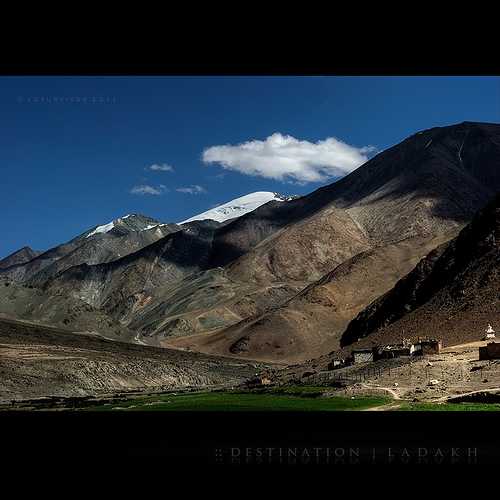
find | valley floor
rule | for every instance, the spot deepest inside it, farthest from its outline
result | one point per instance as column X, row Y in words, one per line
column 39, row 362
column 291, row 399
column 48, row 368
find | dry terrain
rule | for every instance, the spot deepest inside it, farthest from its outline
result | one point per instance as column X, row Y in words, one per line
column 284, row 281
column 312, row 321
column 449, row 294
column 455, row 372
column 40, row 362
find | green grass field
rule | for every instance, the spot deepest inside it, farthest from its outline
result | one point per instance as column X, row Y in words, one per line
column 289, row 399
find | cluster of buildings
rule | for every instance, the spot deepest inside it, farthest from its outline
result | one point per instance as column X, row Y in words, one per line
column 405, row 348
column 422, row 347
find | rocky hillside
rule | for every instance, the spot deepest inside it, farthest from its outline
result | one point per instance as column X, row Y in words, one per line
column 123, row 284
column 432, row 179
column 453, row 293
column 282, row 281
column 58, row 309
column 311, row 322
column 405, row 202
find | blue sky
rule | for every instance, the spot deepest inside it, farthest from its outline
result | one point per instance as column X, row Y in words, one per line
column 68, row 166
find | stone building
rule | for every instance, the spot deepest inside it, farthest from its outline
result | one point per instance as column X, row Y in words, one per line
column 490, row 351
column 362, row 355
column 431, row 346
column 336, row 363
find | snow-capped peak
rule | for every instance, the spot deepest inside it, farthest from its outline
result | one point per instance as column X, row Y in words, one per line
column 239, row 206
column 132, row 222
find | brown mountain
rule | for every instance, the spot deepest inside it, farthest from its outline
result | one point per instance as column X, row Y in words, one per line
column 453, row 293
column 121, row 285
column 282, row 282
column 405, row 201
column 311, row 322
column 429, row 181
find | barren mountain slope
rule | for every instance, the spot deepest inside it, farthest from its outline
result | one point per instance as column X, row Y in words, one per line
column 451, row 294
column 118, row 286
column 58, row 309
column 421, row 190
column 203, row 302
column 274, row 271
column 166, row 290
column 102, row 249
column 311, row 322
column 303, row 251
column 432, row 180
column 411, row 197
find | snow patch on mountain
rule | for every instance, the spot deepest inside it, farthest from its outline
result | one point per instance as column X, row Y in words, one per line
column 105, row 228
column 136, row 223
column 239, row 206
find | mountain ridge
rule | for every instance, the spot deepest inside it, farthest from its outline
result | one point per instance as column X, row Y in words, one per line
column 299, row 270
column 99, row 244
column 427, row 200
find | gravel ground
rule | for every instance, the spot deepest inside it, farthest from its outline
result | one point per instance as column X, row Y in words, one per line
column 38, row 361
column 456, row 370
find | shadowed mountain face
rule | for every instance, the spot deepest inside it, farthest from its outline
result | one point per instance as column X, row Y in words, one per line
column 430, row 182
column 283, row 281
column 453, row 293
column 117, row 286
column 21, row 256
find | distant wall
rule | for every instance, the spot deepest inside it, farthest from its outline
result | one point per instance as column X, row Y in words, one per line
column 362, row 357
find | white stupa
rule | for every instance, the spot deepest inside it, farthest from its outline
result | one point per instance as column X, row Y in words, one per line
column 490, row 333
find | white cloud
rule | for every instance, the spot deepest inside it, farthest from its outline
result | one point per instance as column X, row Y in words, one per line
column 146, row 189
column 284, row 158
column 193, row 189
column 163, row 167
